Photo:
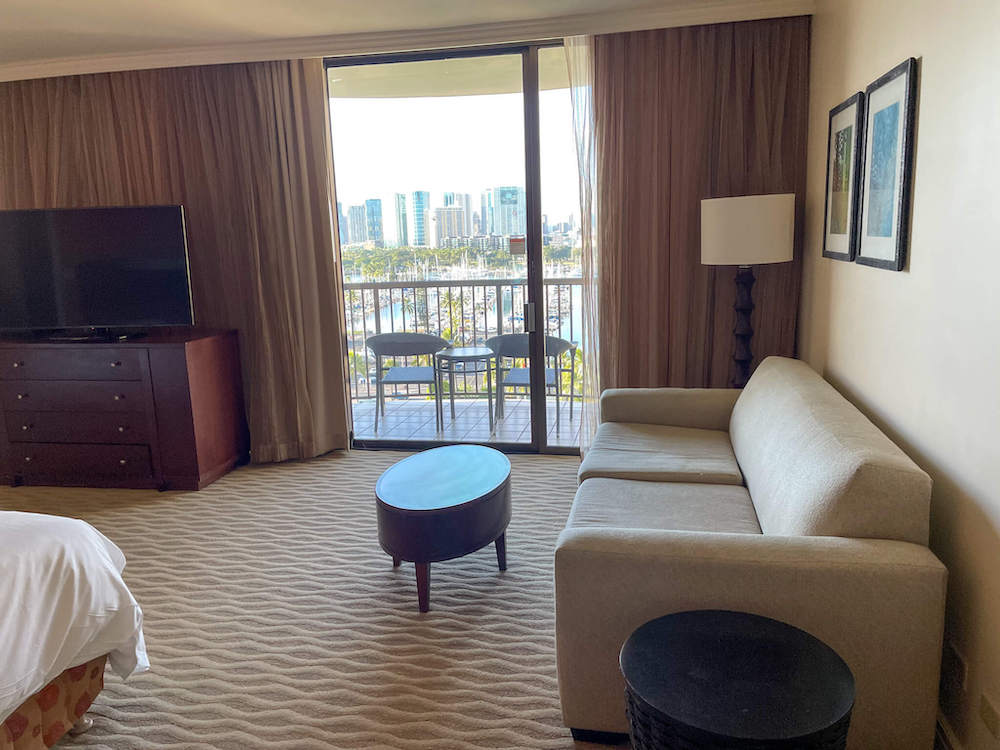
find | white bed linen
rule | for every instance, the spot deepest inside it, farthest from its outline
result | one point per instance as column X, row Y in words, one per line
column 62, row 603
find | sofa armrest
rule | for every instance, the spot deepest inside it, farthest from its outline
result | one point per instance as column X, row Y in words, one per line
column 878, row 603
column 707, row 408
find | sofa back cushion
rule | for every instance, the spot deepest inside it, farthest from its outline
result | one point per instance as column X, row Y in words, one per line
column 816, row 466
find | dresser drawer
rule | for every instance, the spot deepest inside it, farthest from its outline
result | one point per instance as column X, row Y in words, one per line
column 73, row 395
column 77, row 427
column 72, row 363
column 60, row 461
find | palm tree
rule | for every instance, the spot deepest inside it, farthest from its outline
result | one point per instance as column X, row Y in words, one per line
column 451, row 305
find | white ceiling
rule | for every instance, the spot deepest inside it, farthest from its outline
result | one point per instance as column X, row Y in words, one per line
column 34, row 29
column 49, row 37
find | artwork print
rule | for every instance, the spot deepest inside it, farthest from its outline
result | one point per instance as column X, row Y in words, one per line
column 843, row 168
column 843, row 152
column 882, row 167
column 890, row 104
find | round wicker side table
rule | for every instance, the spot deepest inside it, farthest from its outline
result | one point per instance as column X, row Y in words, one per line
column 714, row 680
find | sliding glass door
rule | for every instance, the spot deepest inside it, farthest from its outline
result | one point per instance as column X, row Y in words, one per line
column 439, row 182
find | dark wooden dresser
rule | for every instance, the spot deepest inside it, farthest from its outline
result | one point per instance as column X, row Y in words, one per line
column 163, row 411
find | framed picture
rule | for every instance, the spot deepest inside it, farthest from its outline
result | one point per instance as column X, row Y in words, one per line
column 886, row 183
column 843, row 173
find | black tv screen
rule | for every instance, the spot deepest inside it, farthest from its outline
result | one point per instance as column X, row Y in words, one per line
column 122, row 267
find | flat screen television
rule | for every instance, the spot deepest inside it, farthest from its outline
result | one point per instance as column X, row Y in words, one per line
column 94, row 268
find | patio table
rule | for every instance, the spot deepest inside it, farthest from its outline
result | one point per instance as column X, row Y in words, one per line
column 480, row 359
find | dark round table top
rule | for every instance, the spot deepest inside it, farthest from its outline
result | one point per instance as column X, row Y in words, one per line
column 737, row 675
column 443, row 478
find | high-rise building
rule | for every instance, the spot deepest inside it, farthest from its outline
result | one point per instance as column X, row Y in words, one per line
column 402, row 232
column 357, row 224
column 463, row 201
column 486, row 214
column 449, row 221
column 467, row 205
column 421, row 217
column 342, row 224
column 373, row 221
column 509, row 211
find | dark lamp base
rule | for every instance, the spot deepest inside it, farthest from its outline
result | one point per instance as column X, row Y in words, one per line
column 743, row 330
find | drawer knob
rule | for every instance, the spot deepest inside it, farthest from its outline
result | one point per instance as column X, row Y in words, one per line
column 18, row 364
column 121, row 429
column 122, row 461
column 26, row 427
column 119, row 397
column 116, row 364
column 21, row 396
column 27, row 459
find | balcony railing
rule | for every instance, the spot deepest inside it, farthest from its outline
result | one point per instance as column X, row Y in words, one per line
column 466, row 313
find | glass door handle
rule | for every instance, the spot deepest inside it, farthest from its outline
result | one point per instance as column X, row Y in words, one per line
column 529, row 317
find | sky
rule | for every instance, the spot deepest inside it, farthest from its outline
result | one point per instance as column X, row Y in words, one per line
column 450, row 144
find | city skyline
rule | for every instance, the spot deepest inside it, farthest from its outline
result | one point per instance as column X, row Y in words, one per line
column 502, row 214
column 444, row 146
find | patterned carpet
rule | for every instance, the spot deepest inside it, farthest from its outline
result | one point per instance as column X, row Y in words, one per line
column 274, row 620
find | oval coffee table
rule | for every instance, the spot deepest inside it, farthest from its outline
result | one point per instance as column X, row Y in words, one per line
column 441, row 504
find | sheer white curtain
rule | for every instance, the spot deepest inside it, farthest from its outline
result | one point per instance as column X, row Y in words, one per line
column 580, row 60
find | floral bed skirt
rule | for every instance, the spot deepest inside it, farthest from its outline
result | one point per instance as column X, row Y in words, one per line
column 40, row 721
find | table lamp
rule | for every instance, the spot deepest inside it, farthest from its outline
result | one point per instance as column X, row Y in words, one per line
column 745, row 231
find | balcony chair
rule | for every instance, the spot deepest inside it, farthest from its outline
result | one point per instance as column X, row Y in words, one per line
column 405, row 345
column 514, row 346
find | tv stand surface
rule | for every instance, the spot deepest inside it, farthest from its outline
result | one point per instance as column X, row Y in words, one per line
column 77, row 336
column 164, row 411
column 109, row 338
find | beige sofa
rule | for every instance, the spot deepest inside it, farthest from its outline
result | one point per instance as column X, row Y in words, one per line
column 782, row 500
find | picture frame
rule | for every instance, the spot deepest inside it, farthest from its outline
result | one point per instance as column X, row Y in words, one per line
column 887, row 176
column 843, row 178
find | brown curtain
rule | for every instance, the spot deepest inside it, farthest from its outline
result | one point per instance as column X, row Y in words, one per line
column 680, row 115
column 245, row 149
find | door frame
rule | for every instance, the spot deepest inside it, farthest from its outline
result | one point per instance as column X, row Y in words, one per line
column 533, row 228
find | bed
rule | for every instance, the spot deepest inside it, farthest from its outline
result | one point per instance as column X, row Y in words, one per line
column 64, row 612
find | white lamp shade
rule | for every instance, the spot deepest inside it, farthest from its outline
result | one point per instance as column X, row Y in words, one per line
column 747, row 230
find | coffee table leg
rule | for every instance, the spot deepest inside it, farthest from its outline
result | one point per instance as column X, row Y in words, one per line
column 395, row 561
column 424, row 586
column 501, row 544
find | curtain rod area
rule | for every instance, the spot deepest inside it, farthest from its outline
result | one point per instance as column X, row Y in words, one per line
column 665, row 15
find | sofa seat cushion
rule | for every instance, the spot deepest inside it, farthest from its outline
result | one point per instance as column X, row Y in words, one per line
column 661, row 453
column 668, row 506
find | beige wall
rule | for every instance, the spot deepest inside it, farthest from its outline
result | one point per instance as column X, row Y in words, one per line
column 919, row 351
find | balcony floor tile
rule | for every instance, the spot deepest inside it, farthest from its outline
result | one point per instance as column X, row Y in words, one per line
column 414, row 419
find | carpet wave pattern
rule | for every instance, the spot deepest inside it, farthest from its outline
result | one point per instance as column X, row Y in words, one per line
column 274, row 620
